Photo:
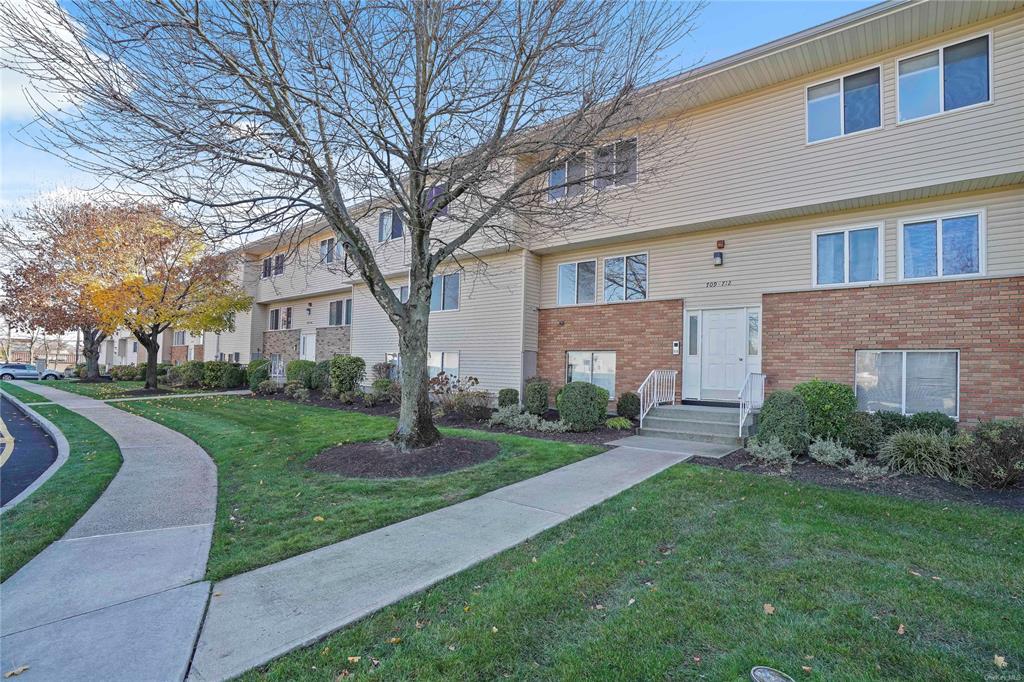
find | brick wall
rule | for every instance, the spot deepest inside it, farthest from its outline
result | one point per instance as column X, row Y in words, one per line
column 331, row 341
column 641, row 334
column 283, row 341
column 179, row 354
column 816, row 333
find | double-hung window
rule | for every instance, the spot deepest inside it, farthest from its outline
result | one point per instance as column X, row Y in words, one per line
column 330, row 251
column 341, row 312
column 444, row 292
column 615, row 164
column 625, row 278
column 179, row 339
column 274, row 322
column 279, row 264
column 446, row 362
column 389, row 226
column 845, row 105
column 402, row 293
column 847, row 256
column 948, row 246
column 280, row 318
column 433, row 195
column 577, row 282
column 952, row 77
column 909, row 381
column 566, row 179
column 268, row 268
column 593, row 367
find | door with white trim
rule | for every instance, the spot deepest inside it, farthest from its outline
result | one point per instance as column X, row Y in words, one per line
column 723, row 353
column 307, row 346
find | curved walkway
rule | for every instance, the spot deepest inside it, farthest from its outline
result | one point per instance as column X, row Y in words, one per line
column 29, row 453
column 120, row 596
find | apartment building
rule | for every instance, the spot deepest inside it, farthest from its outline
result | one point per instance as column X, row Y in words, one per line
column 847, row 203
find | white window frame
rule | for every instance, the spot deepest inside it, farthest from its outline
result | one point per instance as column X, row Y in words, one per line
column 267, row 260
column 647, row 287
column 565, row 368
column 938, row 218
column 575, row 293
column 179, row 335
column 346, row 312
column 565, row 188
column 271, row 324
column 330, row 255
column 942, row 71
column 880, row 226
column 444, row 354
column 273, row 265
column 615, row 144
column 903, row 373
column 458, row 303
column 842, row 104
column 390, row 237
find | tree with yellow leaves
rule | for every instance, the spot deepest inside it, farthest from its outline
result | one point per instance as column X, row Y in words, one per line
column 152, row 273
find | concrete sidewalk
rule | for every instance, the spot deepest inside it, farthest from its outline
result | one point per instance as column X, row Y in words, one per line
column 260, row 615
column 119, row 597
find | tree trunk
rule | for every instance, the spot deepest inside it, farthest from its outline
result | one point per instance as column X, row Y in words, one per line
column 91, row 341
column 150, row 340
column 415, row 422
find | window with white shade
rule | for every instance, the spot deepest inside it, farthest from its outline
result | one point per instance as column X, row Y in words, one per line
column 566, row 179
column 592, row 367
column 577, row 283
column 179, row 339
column 908, row 381
column 443, row 361
column 946, row 79
column 625, row 278
column 847, row 256
column 949, row 246
column 845, row 105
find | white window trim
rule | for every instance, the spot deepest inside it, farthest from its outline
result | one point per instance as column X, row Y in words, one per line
column 647, row 291
column 616, row 186
column 942, row 88
column 575, row 293
column 565, row 167
column 270, row 317
column 880, row 226
column 264, row 260
column 842, row 104
column 184, row 339
column 442, row 309
column 389, row 238
column 565, row 368
column 342, row 302
column 903, row 371
column 938, row 218
column 332, row 255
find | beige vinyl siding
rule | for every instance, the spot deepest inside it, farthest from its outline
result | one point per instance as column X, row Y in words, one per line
column 748, row 155
column 531, row 302
column 232, row 341
column 486, row 330
column 777, row 256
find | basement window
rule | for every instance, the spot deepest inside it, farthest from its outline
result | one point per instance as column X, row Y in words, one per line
column 592, row 367
column 909, row 381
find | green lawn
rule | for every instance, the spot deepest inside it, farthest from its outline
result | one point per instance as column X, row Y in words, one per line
column 682, row 566
column 106, row 390
column 268, row 500
column 46, row 514
column 22, row 394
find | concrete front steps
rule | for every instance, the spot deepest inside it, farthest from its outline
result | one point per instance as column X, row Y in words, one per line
column 700, row 423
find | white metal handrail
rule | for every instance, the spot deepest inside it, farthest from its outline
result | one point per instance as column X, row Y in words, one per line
column 751, row 396
column 659, row 387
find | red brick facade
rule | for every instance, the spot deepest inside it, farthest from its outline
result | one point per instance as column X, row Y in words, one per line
column 813, row 334
column 641, row 334
column 179, row 354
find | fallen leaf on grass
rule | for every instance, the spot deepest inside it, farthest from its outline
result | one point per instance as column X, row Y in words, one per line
column 806, row 668
column 342, row 675
column 394, row 640
column 318, row 518
column 769, row 609
column 912, row 572
column 997, row 660
column 17, row 671
column 631, row 602
column 354, row 659
column 901, row 630
column 494, row 629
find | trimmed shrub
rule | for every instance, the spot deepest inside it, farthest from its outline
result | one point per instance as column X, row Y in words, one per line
column 865, row 470
column 191, row 373
column 258, row 371
column 124, row 372
column 830, row 452
column 347, row 372
column 995, row 458
column 628, row 405
column 829, row 406
column 536, row 396
column 319, row 379
column 863, row 434
column 582, row 406
column 267, row 387
column 508, row 396
column 299, row 370
column 771, row 451
column 381, row 388
column 922, row 452
column 784, row 418
column 619, row 423
column 217, row 374
column 295, row 390
column 514, row 418
column 936, row 422
column 891, row 422
column 472, row 404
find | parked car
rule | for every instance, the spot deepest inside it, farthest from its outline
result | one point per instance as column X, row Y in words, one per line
column 14, row 370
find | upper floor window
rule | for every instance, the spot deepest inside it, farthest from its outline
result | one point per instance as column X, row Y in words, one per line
column 389, row 226
column 330, row 251
column 577, row 282
column 566, row 179
column 625, row 278
column 949, row 78
column 433, row 195
column 280, row 318
column 179, row 339
column 844, row 105
column 942, row 247
column 847, row 256
column 446, row 362
column 615, row 164
column 268, row 267
column 341, row 312
column 444, row 292
column 279, row 264
column 402, row 293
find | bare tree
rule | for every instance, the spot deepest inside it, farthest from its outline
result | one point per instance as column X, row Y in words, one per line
column 259, row 113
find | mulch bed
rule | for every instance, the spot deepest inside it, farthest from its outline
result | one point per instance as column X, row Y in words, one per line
column 904, row 486
column 383, row 460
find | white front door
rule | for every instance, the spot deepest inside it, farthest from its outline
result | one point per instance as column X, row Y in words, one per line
column 723, row 353
column 307, row 347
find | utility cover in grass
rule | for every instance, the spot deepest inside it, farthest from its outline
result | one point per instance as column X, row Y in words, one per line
column 382, row 460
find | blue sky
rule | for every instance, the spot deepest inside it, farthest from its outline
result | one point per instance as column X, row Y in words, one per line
column 723, row 28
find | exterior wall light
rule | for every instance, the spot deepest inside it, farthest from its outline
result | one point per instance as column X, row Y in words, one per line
column 719, row 258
